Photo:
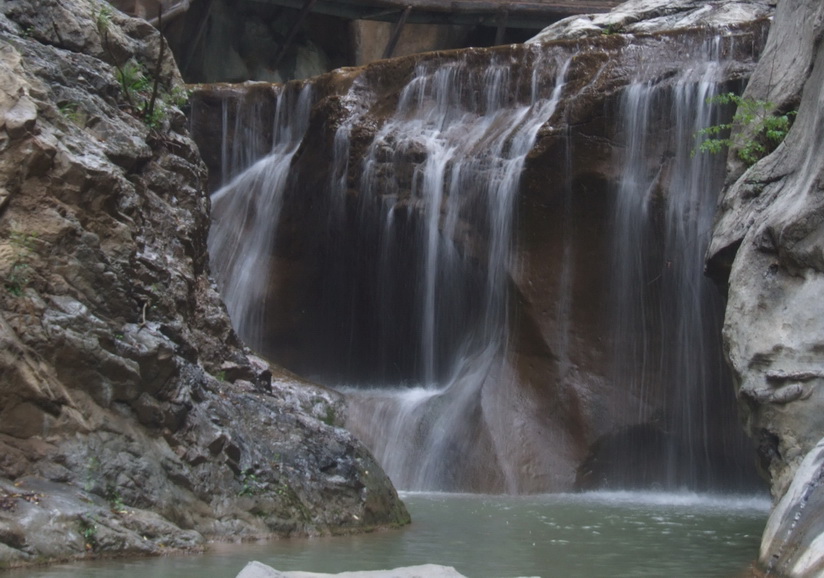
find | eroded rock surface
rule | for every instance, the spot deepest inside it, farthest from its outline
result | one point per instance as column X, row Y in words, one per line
column 768, row 244
column 651, row 16
column 132, row 420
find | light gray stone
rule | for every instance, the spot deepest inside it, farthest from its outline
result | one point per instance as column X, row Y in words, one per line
column 258, row 570
column 652, row 16
column 793, row 541
column 768, row 245
column 775, row 212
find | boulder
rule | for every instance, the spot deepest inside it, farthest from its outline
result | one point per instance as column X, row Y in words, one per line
column 793, row 541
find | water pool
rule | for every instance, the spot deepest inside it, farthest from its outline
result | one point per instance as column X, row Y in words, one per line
column 591, row 535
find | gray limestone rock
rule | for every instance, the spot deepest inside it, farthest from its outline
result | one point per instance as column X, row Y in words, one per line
column 768, row 245
column 132, row 420
column 772, row 220
column 793, row 541
column 640, row 17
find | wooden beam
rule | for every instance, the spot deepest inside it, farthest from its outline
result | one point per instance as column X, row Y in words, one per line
column 201, row 29
column 171, row 13
column 530, row 14
column 293, row 31
column 503, row 16
column 396, row 33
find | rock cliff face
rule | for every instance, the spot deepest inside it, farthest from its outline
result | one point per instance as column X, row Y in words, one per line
column 768, row 246
column 132, row 420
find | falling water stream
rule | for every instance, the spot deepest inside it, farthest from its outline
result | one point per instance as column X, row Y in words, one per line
column 414, row 302
column 246, row 211
column 473, row 154
column 667, row 311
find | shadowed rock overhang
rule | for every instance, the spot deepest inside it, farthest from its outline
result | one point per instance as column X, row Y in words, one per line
column 535, row 14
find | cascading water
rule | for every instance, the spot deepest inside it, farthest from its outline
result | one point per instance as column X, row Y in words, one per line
column 473, row 151
column 666, row 314
column 247, row 210
column 396, row 245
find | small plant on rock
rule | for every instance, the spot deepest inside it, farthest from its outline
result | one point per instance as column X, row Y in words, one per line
column 133, row 81
column 93, row 467
column 71, row 111
column 250, row 485
column 116, row 503
column 18, row 273
column 143, row 92
column 103, row 17
column 762, row 130
column 88, row 529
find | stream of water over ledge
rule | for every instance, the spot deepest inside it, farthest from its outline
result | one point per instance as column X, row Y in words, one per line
column 590, row 535
column 509, row 290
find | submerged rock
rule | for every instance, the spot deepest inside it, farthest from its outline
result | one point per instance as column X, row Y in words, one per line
column 132, row 420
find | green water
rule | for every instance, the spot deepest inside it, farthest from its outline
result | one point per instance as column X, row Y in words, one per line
column 564, row 536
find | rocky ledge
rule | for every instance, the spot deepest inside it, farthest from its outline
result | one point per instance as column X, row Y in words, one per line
column 132, row 420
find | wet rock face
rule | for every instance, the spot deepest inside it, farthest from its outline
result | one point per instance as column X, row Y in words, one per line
column 770, row 221
column 767, row 245
column 128, row 408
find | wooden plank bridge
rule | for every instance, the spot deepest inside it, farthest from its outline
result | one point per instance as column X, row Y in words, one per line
column 501, row 14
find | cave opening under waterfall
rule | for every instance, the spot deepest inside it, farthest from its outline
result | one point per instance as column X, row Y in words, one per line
column 509, row 292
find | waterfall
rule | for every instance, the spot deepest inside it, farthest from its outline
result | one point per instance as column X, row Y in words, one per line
column 247, row 210
column 375, row 252
column 666, row 315
column 472, row 153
